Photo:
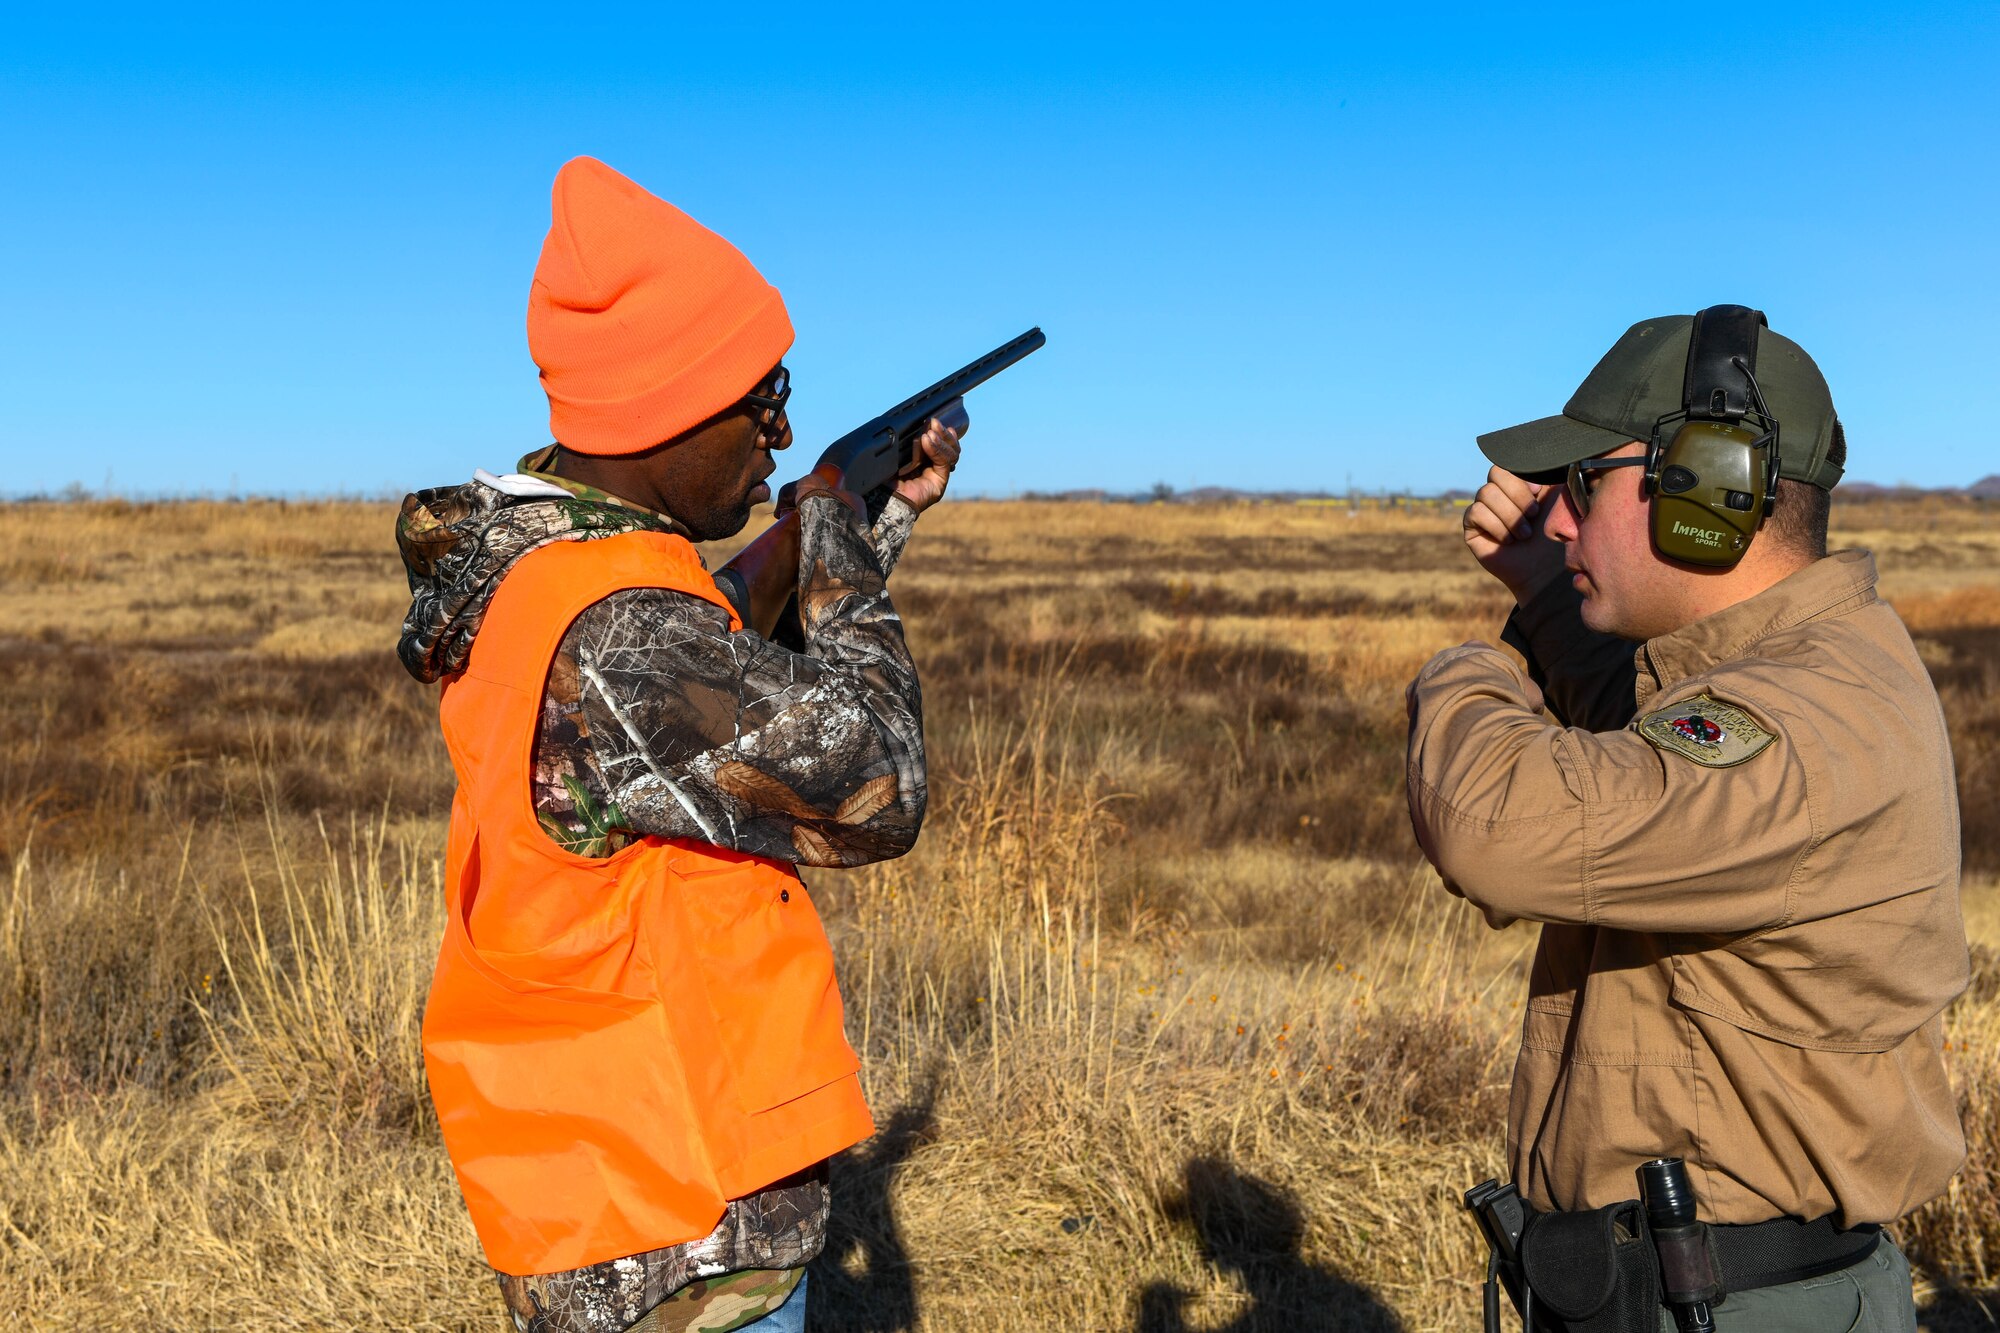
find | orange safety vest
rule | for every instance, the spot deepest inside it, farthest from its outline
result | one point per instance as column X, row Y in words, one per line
column 615, row 1045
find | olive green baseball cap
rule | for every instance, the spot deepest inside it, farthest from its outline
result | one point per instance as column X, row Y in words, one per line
column 1639, row 381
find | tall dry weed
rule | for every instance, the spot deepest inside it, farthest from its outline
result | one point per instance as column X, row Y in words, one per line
column 315, row 1020
column 1956, row 1239
column 1097, row 1095
column 287, row 1175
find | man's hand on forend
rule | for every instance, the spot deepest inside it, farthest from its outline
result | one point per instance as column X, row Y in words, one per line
column 939, row 444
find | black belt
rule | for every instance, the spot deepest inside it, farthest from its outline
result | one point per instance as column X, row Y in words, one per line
column 1770, row 1254
column 1784, row 1249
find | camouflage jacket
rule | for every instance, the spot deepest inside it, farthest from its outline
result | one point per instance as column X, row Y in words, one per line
column 659, row 720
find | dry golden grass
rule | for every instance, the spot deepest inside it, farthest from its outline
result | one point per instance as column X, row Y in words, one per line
column 1166, row 1025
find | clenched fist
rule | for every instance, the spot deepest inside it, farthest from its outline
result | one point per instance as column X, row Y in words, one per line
column 1503, row 530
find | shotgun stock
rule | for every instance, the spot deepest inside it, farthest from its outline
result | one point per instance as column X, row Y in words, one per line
column 762, row 580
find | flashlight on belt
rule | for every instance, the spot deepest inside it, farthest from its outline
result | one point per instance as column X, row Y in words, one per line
column 1688, row 1268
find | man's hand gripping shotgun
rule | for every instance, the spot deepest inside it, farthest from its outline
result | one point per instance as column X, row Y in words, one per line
column 762, row 581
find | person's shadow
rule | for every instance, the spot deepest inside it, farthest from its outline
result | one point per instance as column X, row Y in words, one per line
column 1253, row 1229
column 1955, row 1307
column 861, row 1282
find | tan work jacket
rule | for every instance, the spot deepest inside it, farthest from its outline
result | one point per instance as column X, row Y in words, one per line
column 1750, row 895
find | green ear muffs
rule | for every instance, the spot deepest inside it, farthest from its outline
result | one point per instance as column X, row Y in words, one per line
column 1716, row 480
column 1711, row 490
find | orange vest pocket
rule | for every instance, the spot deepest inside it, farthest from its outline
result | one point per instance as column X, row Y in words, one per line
column 597, row 950
column 767, row 973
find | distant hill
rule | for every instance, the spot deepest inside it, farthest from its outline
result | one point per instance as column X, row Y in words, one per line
column 1986, row 488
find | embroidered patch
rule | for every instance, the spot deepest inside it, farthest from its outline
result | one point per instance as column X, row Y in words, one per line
column 1712, row 733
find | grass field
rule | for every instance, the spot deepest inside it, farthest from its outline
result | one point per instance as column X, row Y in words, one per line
column 1166, row 1024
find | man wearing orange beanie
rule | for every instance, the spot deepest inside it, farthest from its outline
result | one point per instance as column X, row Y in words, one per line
column 633, row 1039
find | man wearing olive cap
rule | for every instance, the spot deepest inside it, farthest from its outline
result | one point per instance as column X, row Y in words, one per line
column 1741, row 839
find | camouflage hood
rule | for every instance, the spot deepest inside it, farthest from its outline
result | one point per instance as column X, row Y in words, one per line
column 459, row 541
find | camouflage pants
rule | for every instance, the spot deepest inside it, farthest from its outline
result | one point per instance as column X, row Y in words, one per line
column 770, row 1300
column 700, row 1308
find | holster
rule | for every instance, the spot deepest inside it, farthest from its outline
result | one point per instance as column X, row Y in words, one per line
column 1593, row 1272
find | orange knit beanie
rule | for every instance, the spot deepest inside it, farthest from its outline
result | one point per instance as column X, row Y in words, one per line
column 643, row 321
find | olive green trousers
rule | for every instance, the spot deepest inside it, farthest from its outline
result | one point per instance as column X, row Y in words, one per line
column 1871, row 1297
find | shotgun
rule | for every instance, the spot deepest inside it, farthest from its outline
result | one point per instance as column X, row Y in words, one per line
column 762, row 580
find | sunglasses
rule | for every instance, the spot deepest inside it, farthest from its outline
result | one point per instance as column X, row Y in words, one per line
column 772, row 393
column 1582, row 479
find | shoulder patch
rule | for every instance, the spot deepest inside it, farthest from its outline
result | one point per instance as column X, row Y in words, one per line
column 1712, row 733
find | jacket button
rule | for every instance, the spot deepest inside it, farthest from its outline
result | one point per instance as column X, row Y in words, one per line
column 784, row 895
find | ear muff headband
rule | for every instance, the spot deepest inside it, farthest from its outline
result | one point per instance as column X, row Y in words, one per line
column 1714, row 481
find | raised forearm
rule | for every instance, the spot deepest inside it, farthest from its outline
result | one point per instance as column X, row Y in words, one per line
column 1585, row 677
column 731, row 739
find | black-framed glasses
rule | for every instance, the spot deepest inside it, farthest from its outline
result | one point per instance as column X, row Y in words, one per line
column 1582, row 480
column 771, row 393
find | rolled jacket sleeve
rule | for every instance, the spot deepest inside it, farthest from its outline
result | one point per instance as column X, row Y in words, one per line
column 1528, row 819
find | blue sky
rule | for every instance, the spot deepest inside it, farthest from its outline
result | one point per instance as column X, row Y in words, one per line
column 1270, row 247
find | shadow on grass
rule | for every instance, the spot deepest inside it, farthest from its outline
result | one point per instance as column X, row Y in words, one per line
column 861, row 1282
column 1959, row 1309
column 1253, row 1230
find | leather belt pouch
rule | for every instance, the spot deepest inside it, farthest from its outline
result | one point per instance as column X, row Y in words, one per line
column 1593, row 1272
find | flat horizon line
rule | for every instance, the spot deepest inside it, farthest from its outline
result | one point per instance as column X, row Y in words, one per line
column 1984, row 489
